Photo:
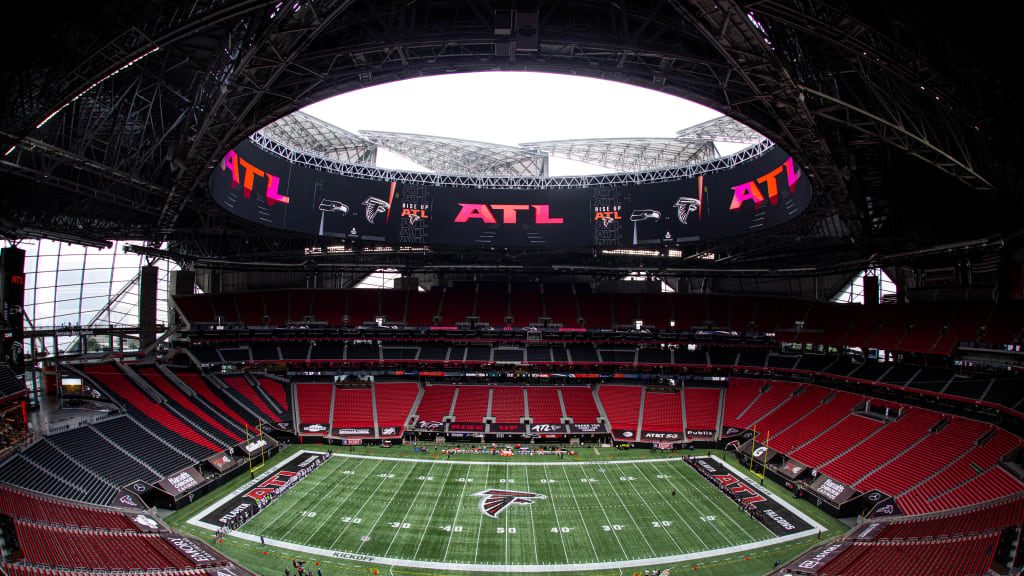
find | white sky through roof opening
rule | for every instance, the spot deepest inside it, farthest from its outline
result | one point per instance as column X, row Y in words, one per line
column 511, row 108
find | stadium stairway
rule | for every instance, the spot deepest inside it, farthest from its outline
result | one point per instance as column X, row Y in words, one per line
column 173, row 395
column 640, row 414
column 192, row 423
column 269, row 402
column 127, row 454
column 232, row 392
column 600, row 407
column 935, row 474
column 330, row 417
column 373, row 405
column 682, row 401
column 894, row 458
column 854, row 446
column 561, row 402
column 415, row 408
column 819, row 434
column 795, row 393
column 194, row 385
column 760, row 392
column 720, row 417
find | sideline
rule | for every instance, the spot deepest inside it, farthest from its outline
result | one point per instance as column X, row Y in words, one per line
column 514, row 568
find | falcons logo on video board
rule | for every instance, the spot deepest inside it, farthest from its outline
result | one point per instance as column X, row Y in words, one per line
column 494, row 502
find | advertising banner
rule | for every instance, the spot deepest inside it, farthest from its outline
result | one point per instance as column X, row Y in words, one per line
column 547, row 428
column 887, row 507
column 128, row 499
column 758, row 452
column 587, row 428
column 181, row 482
column 814, row 561
column 700, row 434
column 221, row 462
column 629, row 435
column 146, row 524
column 390, row 431
column 832, row 490
column 653, row 436
column 12, row 298
column 467, row 427
column 754, row 195
column 256, row 445
column 740, row 434
column 793, row 470
column 195, row 553
column 508, row 428
column 313, row 428
column 866, row 532
column 353, row 431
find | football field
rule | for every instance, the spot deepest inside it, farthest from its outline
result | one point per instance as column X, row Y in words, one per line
column 526, row 516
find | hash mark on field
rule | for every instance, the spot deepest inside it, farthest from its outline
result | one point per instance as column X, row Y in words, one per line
column 382, row 512
column 434, row 509
column 455, row 520
column 533, row 527
column 411, row 506
column 582, row 519
column 301, row 498
column 680, row 516
column 628, row 513
column 557, row 521
column 365, row 502
column 721, row 511
column 480, row 526
column 336, row 507
column 653, row 515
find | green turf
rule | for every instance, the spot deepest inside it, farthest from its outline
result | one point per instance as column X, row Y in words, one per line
column 423, row 509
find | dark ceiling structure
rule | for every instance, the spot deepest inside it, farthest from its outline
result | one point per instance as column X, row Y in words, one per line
column 113, row 118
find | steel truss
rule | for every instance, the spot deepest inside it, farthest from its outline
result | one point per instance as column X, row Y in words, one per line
column 126, row 134
column 369, row 172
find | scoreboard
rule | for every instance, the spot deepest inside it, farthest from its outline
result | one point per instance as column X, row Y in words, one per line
column 265, row 188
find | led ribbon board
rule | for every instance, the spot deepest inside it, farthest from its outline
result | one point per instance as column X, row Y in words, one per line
column 262, row 187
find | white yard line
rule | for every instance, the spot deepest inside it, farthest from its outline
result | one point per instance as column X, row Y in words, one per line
column 299, row 500
column 648, row 506
column 480, row 526
column 365, row 502
column 721, row 511
column 520, row 568
column 676, row 511
column 506, row 518
column 559, row 524
column 584, row 521
column 628, row 513
column 533, row 527
column 341, row 501
column 411, row 506
column 525, row 568
column 432, row 510
column 381, row 515
column 455, row 520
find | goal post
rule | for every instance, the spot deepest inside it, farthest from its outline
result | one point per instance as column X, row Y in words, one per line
column 257, row 437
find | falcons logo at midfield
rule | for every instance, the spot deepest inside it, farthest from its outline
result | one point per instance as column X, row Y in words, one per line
column 494, row 502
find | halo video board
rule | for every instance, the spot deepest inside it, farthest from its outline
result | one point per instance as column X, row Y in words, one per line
column 265, row 188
